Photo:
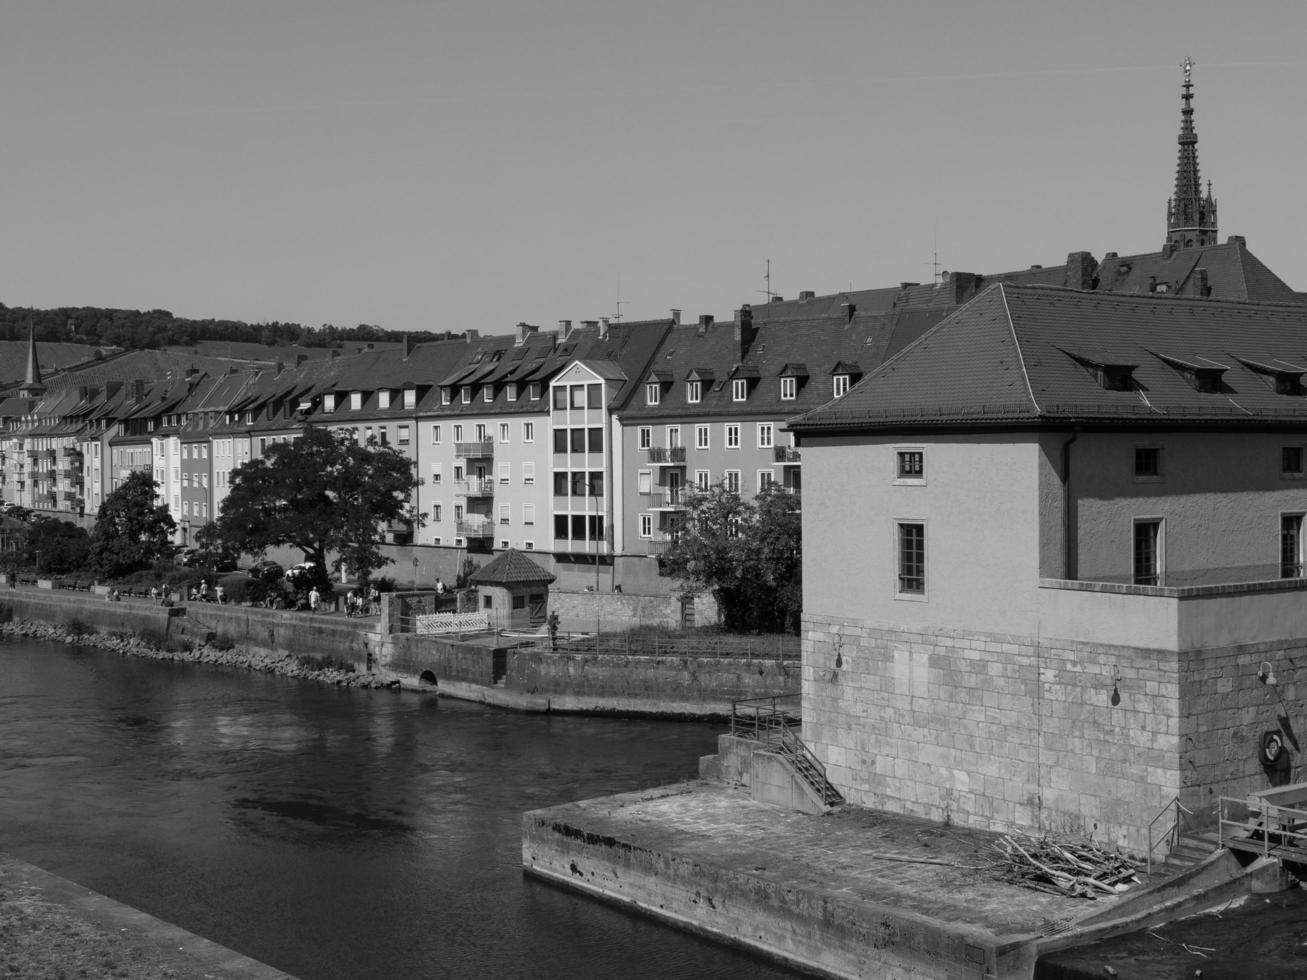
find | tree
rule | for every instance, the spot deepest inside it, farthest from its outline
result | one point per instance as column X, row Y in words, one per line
column 132, row 530
column 747, row 553
column 321, row 493
column 54, row 546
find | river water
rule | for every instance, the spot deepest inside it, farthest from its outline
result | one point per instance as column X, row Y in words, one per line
column 331, row 833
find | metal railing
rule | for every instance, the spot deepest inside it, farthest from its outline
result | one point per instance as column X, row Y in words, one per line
column 1262, row 828
column 666, row 499
column 772, row 721
column 476, row 529
column 785, row 454
column 475, row 450
column 671, row 455
column 1170, row 834
column 475, row 487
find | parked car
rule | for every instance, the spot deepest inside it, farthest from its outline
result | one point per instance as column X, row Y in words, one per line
column 266, row 569
column 187, row 558
column 216, row 560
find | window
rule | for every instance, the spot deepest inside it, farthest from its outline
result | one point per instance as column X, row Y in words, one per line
column 435, row 516
column 528, row 432
column 481, row 432
column 1291, row 461
column 1148, row 552
column 701, row 437
column 458, row 432
column 487, row 393
column 646, row 525
column 702, row 480
column 458, row 512
column 733, row 481
column 458, row 473
column 644, row 437
column 329, row 402
column 578, row 440
column 644, row 481
column 595, row 439
column 401, row 435
column 653, row 393
column 510, row 391
column 410, row 397
column 505, row 513
column 693, row 391
column 529, row 514
column 766, row 435
column 465, row 394
column 673, row 436
column 186, row 451
column 528, row 546
column 911, row 465
column 204, row 480
column 841, row 385
column 435, row 474
column 186, row 480
column 912, row 558
column 505, row 472
column 435, row 435
column 561, row 484
column 739, row 389
column 560, row 440
column 503, row 432
column 186, row 508
column 383, row 398
column 1291, row 558
column 529, row 474
column 355, row 400
column 765, row 479
column 732, row 435
column 445, row 395
column 1148, row 463
column 533, row 391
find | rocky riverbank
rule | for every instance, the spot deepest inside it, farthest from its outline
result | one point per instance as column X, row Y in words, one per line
column 325, row 670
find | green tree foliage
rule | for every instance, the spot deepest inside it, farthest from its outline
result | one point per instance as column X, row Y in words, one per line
column 54, row 547
column 747, row 553
column 321, row 493
column 133, row 530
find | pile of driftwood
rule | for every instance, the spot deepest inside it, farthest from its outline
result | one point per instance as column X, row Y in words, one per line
column 1081, row 868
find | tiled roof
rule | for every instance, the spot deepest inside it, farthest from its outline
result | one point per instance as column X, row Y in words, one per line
column 51, row 357
column 511, row 567
column 1022, row 355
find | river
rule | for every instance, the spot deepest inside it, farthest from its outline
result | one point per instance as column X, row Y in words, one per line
column 330, row 833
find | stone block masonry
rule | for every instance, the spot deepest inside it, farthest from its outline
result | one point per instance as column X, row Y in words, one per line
column 1000, row 732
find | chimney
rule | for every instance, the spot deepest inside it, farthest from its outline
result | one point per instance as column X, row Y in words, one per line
column 806, row 295
column 705, row 321
column 965, row 285
column 778, row 298
column 1202, row 286
column 1168, row 249
column 564, row 328
column 604, row 324
column 676, row 317
column 745, row 331
column 849, row 309
column 908, row 285
column 524, row 330
column 472, row 336
column 409, row 344
column 1080, row 268
column 1108, row 255
column 1237, row 240
column 300, row 359
column 1033, row 267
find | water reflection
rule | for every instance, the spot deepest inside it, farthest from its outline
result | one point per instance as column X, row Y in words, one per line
column 332, row 833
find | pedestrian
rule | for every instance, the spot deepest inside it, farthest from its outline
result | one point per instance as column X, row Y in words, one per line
column 314, row 598
column 440, row 587
column 220, row 594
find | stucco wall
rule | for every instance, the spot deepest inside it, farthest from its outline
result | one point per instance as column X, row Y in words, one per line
column 1220, row 494
column 585, row 611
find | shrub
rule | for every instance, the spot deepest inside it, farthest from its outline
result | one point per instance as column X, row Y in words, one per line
column 383, row 583
column 313, row 662
column 152, row 637
column 79, row 627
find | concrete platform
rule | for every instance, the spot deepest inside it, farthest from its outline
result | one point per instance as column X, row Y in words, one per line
column 851, row 893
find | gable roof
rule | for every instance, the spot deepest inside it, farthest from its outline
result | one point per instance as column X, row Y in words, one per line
column 511, row 567
column 1033, row 355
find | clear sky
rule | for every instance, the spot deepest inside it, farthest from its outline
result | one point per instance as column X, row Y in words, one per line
column 452, row 165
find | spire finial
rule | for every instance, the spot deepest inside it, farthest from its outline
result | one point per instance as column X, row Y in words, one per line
column 1188, row 66
column 32, row 384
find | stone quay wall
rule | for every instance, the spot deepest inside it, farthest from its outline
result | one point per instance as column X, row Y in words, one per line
column 63, row 609
column 1003, row 732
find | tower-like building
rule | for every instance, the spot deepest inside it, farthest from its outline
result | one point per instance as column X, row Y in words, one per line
column 1190, row 216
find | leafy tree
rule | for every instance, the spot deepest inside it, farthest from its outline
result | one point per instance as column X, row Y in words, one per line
column 54, row 546
column 747, row 553
column 321, row 493
column 132, row 530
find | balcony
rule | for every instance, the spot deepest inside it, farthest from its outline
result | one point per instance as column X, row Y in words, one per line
column 42, row 454
column 72, row 454
column 68, row 473
column 666, row 455
column 484, row 449
column 475, row 487
column 481, row 528
column 660, row 544
column 667, row 499
column 785, row 454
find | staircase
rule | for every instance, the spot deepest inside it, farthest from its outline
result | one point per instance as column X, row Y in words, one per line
column 808, row 768
column 1193, row 848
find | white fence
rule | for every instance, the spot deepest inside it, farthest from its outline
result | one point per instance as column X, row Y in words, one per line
column 448, row 622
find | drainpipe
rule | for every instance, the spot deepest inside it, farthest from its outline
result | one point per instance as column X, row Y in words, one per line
column 1068, row 562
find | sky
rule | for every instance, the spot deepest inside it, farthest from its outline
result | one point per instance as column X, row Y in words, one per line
column 451, row 165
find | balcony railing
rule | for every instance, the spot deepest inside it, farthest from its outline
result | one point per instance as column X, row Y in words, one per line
column 483, row 449
column 667, row 499
column 660, row 544
column 475, row 487
column 479, row 528
column 667, row 455
column 785, row 454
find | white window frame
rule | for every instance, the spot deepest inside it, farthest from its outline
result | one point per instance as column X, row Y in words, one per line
column 646, row 526
column 487, row 393
column 644, row 437
column 510, row 391
column 897, row 529
column 436, row 474
column 789, row 389
column 435, row 435
column 505, row 472
column 702, row 438
column 702, row 480
column 528, row 515
column 465, row 394
column 1159, row 547
column 383, row 398
column 840, row 385
column 401, row 435
column 731, row 480
column 732, row 435
column 693, row 392
column 329, row 403
column 528, row 432
column 766, row 435
column 765, row 479
column 739, row 389
column 410, row 397
column 503, row 433
column 505, row 514
column 355, row 400
column 653, row 393
column 528, row 473
column 644, row 481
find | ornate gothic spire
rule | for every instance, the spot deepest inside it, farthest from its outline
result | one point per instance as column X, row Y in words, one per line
column 32, row 384
column 1190, row 217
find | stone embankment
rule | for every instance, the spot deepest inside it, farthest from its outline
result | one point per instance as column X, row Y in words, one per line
column 201, row 652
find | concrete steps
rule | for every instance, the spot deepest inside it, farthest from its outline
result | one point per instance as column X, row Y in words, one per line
column 1193, row 848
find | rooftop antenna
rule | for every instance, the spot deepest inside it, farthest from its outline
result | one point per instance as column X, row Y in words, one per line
column 934, row 255
column 766, row 278
column 620, row 301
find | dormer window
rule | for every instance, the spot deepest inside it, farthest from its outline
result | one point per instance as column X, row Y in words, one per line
column 510, row 391
column 1286, row 377
column 445, row 395
column 487, row 393
column 739, row 389
column 840, row 385
column 653, row 393
column 533, row 391
column 383, row 398
column 693, row 392
column 410, row 397
column 355, row 400
column 1203, row 374
column 1112, row 373
column 789, row 389
column 465, row 394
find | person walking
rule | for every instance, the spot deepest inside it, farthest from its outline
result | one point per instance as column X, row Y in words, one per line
column 314, row 598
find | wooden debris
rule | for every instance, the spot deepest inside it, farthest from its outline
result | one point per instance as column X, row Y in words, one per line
column 1081, row 869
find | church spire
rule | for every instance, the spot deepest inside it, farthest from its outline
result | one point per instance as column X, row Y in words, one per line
column 32, row 386
column 1190, row 217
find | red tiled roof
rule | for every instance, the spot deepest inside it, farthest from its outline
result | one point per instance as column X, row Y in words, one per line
column 511, row 567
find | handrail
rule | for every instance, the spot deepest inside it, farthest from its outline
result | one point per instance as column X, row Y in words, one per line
column 1172, row 832
column 1271, row 825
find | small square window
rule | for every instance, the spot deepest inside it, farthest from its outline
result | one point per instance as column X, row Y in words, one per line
column 911, row 464
column 1148, row 462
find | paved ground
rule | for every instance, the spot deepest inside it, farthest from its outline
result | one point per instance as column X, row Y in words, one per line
column 945, row 873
